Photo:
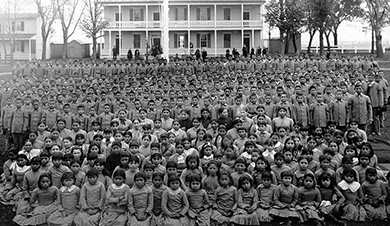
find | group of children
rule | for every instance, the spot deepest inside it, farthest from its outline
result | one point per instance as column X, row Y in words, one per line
column 161, row 150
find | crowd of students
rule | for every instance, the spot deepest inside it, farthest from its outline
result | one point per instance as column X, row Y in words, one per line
column 191, row 142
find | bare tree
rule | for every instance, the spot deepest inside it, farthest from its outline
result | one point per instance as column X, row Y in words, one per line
column 70, row 16
column 93, row 22
column 48, row 14
column 378, row 12
column 8, row 17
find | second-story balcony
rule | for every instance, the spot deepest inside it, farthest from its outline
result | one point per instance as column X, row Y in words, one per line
column 129, row 25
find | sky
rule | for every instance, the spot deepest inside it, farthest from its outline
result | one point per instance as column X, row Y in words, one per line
column 356, row 34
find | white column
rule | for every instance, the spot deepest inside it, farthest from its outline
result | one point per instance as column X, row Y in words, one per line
column 29, row 49
column 188, row 42
column 120, row 43
column 147, row 13
column 109, row 44
column 188, row 15
column 166, row 29
column 242, row 29
column 215, row 42
column 215, row 15
column 252, row 40
column 119, row 47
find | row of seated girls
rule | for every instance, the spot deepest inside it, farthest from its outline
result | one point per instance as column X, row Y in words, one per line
column 209, row 195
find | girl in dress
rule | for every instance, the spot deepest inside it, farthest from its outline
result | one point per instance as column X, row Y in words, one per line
column 262, row 166
column 174, row 203
column 349, row 186
column 301, row 171
column 332, row 198
column 67, row 202
column 265, row 192
column 247, row 202
column 42, row 203
column 78, row 174
column 192, row 167
column 116, row 201
column 92, row 197
column 285, row 199
column 225, row 200
column 13, row 190
column 375, row 194
column 140, row 202
column 210, row 182
column 198, row 202
column 239, row 166
column 104, row 175
column 30, row 183
column 158, row 189
column 309, row 199
column 206, row 154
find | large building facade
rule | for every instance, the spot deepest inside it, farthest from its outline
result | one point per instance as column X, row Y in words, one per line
column 214, row 26
column 24, row 30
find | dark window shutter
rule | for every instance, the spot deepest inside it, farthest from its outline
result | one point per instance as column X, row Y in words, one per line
column 175, row 41
column 176, row 14
column 208, row 13
column 185, row 14
column 141, row 12
column 197, row 13
column 131, row 14
column 197, row 40
column 208, row 40
column 186, row 41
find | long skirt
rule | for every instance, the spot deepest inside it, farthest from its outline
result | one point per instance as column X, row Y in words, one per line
column 84, row 219
column 38, row 216
column 241, row 217
column 57, row 219
column 354, row 212
column 133, row 221
column 200, row 219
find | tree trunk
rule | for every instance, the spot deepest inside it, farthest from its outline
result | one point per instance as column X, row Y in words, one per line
column 294, row 43
column 327, row 40
column 372, row 39
column 281, row 43
column 310, row 41
column 44, row 41
column 321, row 41
column 378, row 42
column 65, row 46
column 335, row 37
column 11, row 55
column 287, row 44
column 94, row 41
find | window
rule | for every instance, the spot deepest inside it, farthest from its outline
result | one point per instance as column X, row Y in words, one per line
column 203, row 40
column 226, row 40
column 180, row 41
column 118, row 17
column 246, row 15
column 137, row 41
column 181, row 14
column 203, row 14
column 226, row 13
column 22, row 46
column 156, row 16
column 13, row 25
column 136, row 14
column 20, row 26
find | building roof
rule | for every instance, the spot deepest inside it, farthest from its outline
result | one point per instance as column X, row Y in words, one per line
column 180, row 1
column 19, row 36
column 26, row 15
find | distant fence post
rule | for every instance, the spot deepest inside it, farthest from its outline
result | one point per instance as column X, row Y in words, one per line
column 342, row 49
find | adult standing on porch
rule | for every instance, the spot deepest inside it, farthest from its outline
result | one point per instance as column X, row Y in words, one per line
column 114, row 53
column 129, row 54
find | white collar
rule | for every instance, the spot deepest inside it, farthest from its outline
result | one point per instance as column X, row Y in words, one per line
column 208, row 157
column 63, row 188
column 22, row 169
column 114, row 186
column 354, row 186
